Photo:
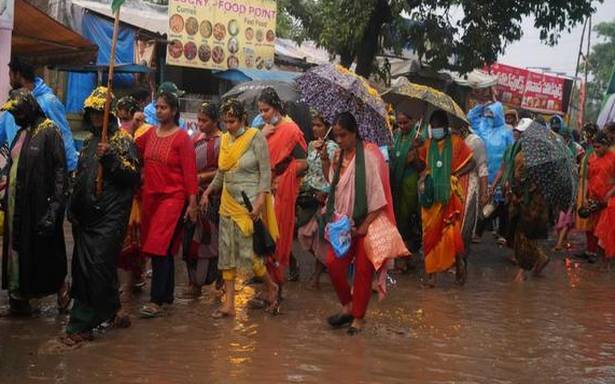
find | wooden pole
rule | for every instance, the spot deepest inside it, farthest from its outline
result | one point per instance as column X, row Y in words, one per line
column 576, row 74
column 104, row 135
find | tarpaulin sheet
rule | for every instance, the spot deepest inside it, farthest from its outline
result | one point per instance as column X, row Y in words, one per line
column 100, row 31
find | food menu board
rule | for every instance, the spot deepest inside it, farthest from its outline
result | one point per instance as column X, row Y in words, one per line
column 222, row 34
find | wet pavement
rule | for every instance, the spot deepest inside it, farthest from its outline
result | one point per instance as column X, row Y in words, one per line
column 555, row 329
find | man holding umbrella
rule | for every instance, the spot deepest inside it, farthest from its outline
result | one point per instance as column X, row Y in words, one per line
column 446, row 159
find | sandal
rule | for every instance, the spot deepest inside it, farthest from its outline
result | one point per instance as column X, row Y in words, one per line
column 353, row 330
column 150, row 310
column 340, row 320
column 75, row 339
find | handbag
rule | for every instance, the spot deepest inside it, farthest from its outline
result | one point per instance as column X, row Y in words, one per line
column 337, row 233
column 383, row 241
column 263, row 243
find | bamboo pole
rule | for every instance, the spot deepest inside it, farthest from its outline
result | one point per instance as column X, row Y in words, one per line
column 104, row 135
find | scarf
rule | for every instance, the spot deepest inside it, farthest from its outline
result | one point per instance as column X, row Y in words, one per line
column 440, row 166
column 359, row 211
column 230, row 153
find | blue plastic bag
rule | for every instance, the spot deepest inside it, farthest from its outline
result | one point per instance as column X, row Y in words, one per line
column 338, row 234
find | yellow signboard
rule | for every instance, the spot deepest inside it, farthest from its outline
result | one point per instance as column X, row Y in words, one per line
column 222, row 34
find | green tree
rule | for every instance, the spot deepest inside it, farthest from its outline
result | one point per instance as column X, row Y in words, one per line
column 359, row 30
column 601, row 63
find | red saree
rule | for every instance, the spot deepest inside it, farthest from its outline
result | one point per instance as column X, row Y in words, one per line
column 281, row 144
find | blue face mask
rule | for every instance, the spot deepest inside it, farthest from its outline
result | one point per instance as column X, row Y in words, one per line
column 274, row 120
column 240, row 132
column 438, row 133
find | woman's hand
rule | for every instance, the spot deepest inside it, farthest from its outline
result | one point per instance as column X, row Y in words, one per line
column 102, row 149
column 268, row 130
column 358, row 232
column 257, row 206
column 192, row 214
column 205, row 199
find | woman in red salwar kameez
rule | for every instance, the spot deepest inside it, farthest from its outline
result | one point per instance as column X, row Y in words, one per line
column 288, row 157
column 601, row 189
column 169, row 184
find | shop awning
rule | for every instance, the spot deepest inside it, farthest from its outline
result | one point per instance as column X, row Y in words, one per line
column 41, row 39
column 242, row 75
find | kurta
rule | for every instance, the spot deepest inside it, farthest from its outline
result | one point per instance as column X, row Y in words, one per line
column 169, row 178
column 252, row 175
column 442, row 240
column 99, row 226
column 34, row 265
column 282, row 143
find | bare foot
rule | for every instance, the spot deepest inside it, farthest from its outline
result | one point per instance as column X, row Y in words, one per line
column 520, row 276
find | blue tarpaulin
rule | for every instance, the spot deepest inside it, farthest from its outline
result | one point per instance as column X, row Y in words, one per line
column 100, row 31
column 243, row 75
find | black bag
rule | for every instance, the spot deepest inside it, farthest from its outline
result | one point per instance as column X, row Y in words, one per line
column 263, row 242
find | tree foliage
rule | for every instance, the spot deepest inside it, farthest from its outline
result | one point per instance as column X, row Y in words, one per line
column 453, row 34
column 601, row 61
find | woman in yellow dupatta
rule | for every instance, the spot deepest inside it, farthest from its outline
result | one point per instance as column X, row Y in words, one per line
column 447, row 158
column 243, row 166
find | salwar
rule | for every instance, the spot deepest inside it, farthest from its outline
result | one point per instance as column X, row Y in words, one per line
column 163, row 280
column 361, row 291
column 258, row 267
column 84, row 318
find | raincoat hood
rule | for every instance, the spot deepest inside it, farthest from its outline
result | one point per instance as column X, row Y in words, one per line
column 40, row 88
column 497, row 109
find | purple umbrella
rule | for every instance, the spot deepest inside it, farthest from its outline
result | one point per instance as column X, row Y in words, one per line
column 331, row 89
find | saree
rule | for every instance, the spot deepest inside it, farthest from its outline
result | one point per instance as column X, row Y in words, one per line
column 404, row 185
column 281, row 144
column 442, row 239
column 601, row 179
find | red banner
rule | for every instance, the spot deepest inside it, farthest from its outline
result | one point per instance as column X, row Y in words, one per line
column 511, row 84
column 520, row 88
column 543, row 92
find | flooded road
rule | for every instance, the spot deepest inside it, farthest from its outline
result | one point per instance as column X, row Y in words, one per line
column 557, row 329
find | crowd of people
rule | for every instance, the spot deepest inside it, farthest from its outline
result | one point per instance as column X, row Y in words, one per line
column 231, row 199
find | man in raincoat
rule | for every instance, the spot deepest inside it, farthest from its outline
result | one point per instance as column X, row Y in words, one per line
column 21, row 75
column 489, row 124
column 99, row 222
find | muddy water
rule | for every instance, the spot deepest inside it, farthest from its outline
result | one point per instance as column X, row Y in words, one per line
column 558, row 329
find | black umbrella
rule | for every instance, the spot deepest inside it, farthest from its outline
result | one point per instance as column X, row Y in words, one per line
column 248, row 93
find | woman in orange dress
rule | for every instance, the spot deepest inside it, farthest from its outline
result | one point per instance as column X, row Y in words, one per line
column 601, row 189
column 447, row 158
column 287, row 154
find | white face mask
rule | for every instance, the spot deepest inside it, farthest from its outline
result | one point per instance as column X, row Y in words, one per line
column 274, row 120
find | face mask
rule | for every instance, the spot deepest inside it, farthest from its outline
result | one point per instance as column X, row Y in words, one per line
column 274, row 120
column 438, row 133
column 240, row 132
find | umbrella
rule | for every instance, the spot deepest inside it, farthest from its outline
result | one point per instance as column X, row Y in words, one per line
column 419, row 100
column 248, row 93
column 331, row 89
column 548, row 162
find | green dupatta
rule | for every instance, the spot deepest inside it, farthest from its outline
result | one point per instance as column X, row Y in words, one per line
column 439, row 162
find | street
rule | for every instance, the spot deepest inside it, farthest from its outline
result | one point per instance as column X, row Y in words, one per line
column 555, row 329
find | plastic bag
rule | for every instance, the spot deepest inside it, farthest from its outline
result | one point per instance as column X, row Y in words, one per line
column 338, row 234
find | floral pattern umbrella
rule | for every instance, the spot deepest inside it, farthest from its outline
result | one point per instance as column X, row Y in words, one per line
column 331, row 89
column 417, row 100
column 548, row 162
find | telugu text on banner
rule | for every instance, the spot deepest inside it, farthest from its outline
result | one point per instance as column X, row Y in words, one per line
column 222, row 34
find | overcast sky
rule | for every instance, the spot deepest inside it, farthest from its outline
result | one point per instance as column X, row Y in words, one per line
column 531, row 52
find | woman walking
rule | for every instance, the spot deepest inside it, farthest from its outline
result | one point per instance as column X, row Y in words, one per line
column 201, row 248
column 405, row 170
column 169, row 195
column 358, row 191
column 243, row 168
column 131, row 263
column 314, row 191
column 287, row 154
